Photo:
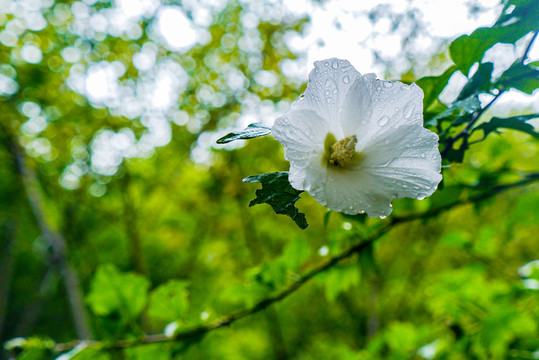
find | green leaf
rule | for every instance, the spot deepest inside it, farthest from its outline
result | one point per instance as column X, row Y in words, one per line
column 146, row 352
column 522, row 77
column 432, row 86
column 295, row 253
column 88, row 354
column 459, row 108
column 169, row 301
column 469, row 49
column 480, row 81
column 516, row 123
column 112, row 291
column 279, row 194
column 340, row 279
column 456, row 155
column 34, row 354
column 251, row 131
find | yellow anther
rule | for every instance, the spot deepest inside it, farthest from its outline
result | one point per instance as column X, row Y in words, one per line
column 343, row 151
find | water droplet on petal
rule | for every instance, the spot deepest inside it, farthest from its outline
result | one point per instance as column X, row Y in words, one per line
column 326, row 63
column 362, row 211
column 346, row 79
column 422, row 155
column 383, row 121
column 328, row 100
column 404, row 87
column 328, row 92
column 382, row 217
column 388, row 84
column 408, row 110
column 328, row 83
column 335, row 64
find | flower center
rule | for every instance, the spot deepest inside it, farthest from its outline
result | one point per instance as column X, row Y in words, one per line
column 341, row 153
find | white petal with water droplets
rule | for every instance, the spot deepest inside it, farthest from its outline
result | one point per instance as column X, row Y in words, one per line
column 326, row 91
column 356, row 111
column 399, row 158
column 302, row 133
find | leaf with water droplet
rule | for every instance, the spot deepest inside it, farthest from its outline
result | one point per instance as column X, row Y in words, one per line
column 279, row 194
column 251, row 131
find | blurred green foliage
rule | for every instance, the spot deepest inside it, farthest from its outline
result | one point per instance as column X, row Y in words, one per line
column 161, row 242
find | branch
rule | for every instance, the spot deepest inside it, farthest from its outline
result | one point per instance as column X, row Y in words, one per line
column 54, row 239
column 199, row 331
column 466, row 132
column 6, row 270
column 528, row 48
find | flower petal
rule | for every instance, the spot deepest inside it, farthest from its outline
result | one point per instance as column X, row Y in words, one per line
column 398, row 156
column 302, row 134
column 357, row 108
column 401, row 103
column 312, row 178
column 327, row 88
column 348, row 191
column 375, row 106
column 406, row 161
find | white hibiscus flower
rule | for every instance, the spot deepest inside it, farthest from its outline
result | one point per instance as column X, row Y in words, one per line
column 355, row 143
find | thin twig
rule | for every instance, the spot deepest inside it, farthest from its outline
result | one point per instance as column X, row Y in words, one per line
column 55, row 240
column 528, row 48
column 201, row 330
column 466, row 132
column 6, row 270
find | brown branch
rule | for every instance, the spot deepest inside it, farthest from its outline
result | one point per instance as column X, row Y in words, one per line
column 199, row 331
column 55, row 240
